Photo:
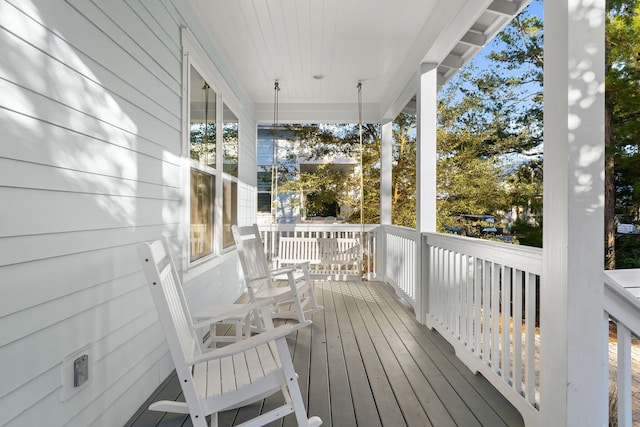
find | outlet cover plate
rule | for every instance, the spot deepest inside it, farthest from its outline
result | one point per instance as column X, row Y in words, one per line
column 69, row 372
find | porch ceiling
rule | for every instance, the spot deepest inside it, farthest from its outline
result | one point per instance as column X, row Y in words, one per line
column 380, row 42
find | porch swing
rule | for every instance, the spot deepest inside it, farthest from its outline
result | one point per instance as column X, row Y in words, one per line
column 330, row 253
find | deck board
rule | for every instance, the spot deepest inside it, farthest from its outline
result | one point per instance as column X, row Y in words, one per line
column 319, row 394
column 365, row 361
column 364, row 404
column 339, row 389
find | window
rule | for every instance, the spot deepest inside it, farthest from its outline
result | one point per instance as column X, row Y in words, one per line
column 230, row 141
column 264, row 191
column 230, row 167
column 202, row 152
column 213, row 166
column 203, row 121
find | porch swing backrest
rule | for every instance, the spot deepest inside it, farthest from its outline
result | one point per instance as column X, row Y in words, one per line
column 326, row 255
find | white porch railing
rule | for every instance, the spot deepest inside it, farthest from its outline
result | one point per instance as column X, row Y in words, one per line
column 483, row 298
column 397, row 261
column 623, row 309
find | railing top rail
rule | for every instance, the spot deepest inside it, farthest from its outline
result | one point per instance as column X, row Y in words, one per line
column 525, row 258
column 618, row 301
column 396, row 230
column 317, row 227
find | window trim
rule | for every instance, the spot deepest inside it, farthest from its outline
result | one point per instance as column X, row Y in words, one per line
column 193, row 55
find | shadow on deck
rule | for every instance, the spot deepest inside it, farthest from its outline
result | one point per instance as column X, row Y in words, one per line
column 365, row 361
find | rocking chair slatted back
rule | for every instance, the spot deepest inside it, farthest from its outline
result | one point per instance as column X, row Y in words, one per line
column 253, row 261
column 294, row 301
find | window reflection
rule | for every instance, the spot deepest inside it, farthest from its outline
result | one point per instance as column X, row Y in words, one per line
column 203, row 121
column 201, row 213
column 229, row 210
column 230, row 134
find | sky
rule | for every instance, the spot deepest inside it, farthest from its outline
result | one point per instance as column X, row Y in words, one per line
column 534, row 8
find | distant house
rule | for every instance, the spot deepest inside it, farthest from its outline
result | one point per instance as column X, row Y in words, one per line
column 292, row 158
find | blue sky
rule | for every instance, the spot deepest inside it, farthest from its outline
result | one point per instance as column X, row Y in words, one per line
column 534, row 8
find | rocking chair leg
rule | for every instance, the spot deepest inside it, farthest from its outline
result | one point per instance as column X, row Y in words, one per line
column 293, row 389
column 214, row 420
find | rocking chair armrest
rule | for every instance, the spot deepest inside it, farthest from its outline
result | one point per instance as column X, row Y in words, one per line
column 249, row 343
column 281, row 271
column 206, row 318
column 290, row 269
column 302, row 264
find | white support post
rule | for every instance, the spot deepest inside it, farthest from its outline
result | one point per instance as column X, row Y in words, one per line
column 386, row 177
column 427, row 104
column 573, row 371
column 386, row 165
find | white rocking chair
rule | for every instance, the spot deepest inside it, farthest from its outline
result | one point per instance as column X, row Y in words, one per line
column 224, row 378
column 295, row 301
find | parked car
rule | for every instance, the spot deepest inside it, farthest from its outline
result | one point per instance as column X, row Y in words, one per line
column 627, row 229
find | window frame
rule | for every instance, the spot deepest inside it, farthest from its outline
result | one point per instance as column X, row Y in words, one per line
column 194, row 56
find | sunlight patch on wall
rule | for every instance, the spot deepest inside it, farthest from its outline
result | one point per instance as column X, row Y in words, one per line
column 62, row 112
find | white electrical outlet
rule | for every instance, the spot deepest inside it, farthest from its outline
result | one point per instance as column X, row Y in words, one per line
column 75, row 372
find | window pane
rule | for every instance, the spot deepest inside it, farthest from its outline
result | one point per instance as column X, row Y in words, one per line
column 203, row 120
column 230, row 132
column 264, row 180
column 202, row 194
column 264, row 202
column 229, row 209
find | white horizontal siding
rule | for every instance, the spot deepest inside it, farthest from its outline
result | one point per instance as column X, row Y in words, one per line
column 90, row 166
column 73, row 78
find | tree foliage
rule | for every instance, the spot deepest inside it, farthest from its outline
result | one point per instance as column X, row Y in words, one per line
column 403, row 187
column 490, row 132
column 622, row 101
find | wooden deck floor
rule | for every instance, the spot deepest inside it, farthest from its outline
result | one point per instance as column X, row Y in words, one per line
column 365, row 361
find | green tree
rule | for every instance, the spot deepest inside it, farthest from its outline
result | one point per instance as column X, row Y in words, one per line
column 622, row 123
column 469, row 174
column 524, row 185
column 403, row 186
column 490, row 130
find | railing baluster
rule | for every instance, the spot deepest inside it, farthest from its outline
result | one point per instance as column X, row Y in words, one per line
column 486, row 307
column 517, row 331
column 624, row 376
column 506, row 323
column 456, row 300
column 530, row 337
column 454, row 286
column 438, row 284
column 470, row 301
column 495, row 318
column 477, row 301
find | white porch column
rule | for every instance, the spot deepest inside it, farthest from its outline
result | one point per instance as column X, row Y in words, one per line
column 573, row 382
column 426, row 105
column 386, row 176
column 386, row 165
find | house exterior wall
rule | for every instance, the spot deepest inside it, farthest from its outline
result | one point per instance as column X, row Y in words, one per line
column 90, row 165
column 265, row 158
